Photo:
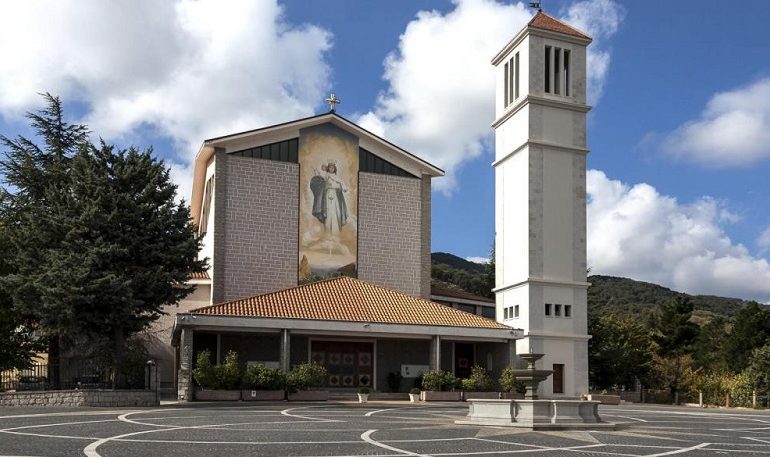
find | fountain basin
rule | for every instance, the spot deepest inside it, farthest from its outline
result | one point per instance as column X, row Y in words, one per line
column 552, row 414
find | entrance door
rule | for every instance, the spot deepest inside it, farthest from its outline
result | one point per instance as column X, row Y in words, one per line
column 350, row 363
column 558, row 378
column 463, row 359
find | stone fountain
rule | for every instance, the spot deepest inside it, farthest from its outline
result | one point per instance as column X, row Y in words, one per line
column 532, row 412
column 531, row 376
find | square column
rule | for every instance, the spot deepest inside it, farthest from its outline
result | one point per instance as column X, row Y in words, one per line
column 285, row 350
column 435, row 353
column 184, row 377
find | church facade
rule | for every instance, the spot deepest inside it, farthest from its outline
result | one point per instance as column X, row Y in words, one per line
column 318, row 238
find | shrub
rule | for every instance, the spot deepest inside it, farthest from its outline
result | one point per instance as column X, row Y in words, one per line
column 479, row 381
column 305, row 376
column 414, row 391
column 260, row 377
column 438, row 380
column 204, row 372
column 509, row 383
column 363, row 391
column 220, row 377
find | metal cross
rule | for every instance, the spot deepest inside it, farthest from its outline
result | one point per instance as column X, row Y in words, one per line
column 333, row 100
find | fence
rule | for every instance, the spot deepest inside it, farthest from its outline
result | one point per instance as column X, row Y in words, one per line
column 80, row 375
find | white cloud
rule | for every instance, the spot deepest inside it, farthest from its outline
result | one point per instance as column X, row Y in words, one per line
column 187, row 69
column 763, row 242
column 476, row 259
column 600, row 19
column 732, row 131
column 634, row 231
column 440, row 97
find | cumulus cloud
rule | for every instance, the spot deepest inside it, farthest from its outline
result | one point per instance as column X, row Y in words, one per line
column 732, row 131
column 601, row 19
column 187, row 69
column 637, row 232
column 763, row 242
column 440, row 96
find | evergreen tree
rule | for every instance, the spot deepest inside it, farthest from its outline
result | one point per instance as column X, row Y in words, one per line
column 751, row 330
column 100, row 244
column 675, row 333
column 618, row 351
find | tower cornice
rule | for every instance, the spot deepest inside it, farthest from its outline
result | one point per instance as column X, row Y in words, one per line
column 543, row 101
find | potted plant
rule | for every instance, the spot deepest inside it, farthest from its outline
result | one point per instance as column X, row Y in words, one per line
column 414, row 395
column 263, row 383
column 217, row 382
column 511, row 387
column 439, row 385
column 479, row 385
column 363, row 395
column 303, row 383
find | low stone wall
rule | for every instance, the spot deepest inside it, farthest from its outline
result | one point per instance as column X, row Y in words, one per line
column 119, row 398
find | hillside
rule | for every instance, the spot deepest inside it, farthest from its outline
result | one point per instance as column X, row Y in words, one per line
column 607, row 293
column 624, row 295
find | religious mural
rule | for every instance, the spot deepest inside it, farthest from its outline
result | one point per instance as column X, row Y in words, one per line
column 328, row 225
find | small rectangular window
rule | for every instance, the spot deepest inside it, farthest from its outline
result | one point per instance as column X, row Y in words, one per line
column 505, row 313
column 557, row 71
column 557, row 310
column 505, row 82
column 516, row 311
column 567, row 310
column 548, row 69
column 547, row 309
column 516, row 77
column 566, row 72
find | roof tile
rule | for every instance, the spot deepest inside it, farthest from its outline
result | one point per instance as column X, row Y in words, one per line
column 547, row 22
column 348, row 299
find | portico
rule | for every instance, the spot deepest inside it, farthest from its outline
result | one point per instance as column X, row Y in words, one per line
column 360, row 332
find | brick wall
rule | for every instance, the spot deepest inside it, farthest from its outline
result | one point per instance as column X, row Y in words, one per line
column 390, row 238
column 72, row 398
column 256, row 230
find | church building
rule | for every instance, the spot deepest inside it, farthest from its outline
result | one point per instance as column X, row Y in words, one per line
column 318, row 235
column 318, row 238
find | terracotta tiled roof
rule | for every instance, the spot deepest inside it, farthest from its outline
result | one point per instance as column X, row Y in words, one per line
column 444, row 292
column 199, row 275
column 546, row 22
column 348, row 299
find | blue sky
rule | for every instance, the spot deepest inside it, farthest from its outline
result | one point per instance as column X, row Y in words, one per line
column 679, row 140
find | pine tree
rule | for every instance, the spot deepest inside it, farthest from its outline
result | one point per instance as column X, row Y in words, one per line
column 100, row 243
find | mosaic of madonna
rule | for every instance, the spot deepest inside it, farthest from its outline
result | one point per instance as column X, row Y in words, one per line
column 328, row 225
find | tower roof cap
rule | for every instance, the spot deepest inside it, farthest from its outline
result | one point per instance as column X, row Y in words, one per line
column 547, row 22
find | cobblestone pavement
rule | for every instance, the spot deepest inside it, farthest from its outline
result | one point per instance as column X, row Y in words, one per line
column 381, row 429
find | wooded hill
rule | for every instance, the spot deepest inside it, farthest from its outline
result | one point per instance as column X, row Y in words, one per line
column 607, row 293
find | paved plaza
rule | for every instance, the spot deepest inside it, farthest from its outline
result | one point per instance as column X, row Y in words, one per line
column 379, row 429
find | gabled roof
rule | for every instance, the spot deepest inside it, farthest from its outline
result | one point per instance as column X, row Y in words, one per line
column 199, row 275
column 352, row 300
column 206, row 152
column 545, row 21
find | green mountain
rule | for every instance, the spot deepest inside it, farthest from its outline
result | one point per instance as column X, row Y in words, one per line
column 456, row 262
column 606, row 294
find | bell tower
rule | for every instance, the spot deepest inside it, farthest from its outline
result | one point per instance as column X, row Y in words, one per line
column 540, row 198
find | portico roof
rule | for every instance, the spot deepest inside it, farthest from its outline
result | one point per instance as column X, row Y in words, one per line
column 349, row 300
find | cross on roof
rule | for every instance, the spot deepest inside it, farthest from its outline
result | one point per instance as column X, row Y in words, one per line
column 333, row 100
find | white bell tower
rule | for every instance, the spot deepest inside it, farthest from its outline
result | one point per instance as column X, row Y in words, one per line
column 540, row 198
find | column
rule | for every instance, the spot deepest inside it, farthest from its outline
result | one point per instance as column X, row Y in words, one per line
column 184, row 377
column 435, row 353
column 512, row 353
column 285, row 350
